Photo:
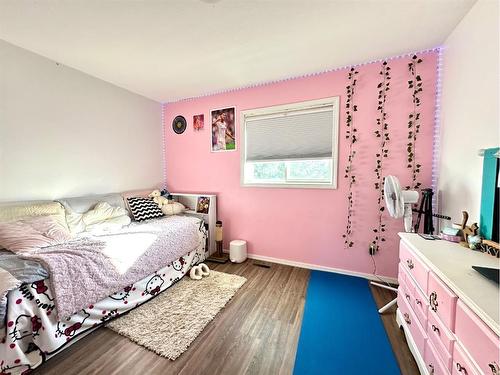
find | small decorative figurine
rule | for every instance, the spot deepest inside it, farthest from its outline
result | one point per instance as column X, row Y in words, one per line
column 474, row 242
column 466, row 231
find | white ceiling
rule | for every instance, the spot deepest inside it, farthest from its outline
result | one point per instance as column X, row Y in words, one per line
column 167, row 50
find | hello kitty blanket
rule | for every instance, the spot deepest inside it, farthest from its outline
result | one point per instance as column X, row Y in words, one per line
column 85, row 271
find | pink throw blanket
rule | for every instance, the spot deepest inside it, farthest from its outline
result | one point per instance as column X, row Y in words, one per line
column 84, row 271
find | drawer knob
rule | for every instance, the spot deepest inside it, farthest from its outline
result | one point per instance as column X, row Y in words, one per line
column 495, row 369
column 410, row 264
column 435, row 329
column 407, row 296
column 433, row 301
column 461, row 369
column 407, row 318
column 418, row 302
column 431, row 368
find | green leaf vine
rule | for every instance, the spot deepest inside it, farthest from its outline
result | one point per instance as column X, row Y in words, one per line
column 415, row 84
column 351, row 136
column 382, row 134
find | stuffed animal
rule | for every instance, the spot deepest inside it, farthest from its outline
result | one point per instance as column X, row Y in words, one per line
column 173, row 208
column 158, row 198
column 168, row 207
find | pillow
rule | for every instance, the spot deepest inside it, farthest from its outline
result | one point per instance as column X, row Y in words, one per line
column 144, row 208
column 34, row 232
column 81, row 205
column 103, row 211
column 17, row 211
column 134, row 194
column 102, row 217
column 75, row 221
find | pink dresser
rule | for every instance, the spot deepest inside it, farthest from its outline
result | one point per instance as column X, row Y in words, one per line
column 448, row 311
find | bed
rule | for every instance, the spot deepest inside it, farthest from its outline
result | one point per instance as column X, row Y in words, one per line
column 34, row 328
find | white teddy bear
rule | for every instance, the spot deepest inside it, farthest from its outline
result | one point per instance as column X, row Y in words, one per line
column 158, row 198
column 168, row 207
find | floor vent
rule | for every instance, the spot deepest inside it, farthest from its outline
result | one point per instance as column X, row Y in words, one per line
column 262, row 265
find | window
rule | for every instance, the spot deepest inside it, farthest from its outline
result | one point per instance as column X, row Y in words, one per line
column 291, row 145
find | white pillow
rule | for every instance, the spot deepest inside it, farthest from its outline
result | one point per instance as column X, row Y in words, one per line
column 102, row 217
column 75, row 222
column 81, row 205
column 102, row 211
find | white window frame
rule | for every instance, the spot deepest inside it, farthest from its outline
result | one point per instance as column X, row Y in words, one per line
column 310, row 104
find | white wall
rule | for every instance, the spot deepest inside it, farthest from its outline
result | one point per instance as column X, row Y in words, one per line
column 470, row 105
column 64, row 133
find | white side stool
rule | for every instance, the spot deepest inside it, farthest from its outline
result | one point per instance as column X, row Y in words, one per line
column 237, row 251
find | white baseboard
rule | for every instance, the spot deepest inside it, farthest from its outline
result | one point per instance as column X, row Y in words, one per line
column 309, row 266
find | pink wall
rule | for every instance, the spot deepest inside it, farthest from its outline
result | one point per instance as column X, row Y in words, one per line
column 306, row 225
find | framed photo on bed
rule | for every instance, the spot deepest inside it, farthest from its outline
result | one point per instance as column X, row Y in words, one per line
column 203, row 205
column 223, row 129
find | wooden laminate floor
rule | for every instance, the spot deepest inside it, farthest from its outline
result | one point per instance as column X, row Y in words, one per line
column 256, row 333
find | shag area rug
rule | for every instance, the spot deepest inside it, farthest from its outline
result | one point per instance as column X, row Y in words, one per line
column 170, row 322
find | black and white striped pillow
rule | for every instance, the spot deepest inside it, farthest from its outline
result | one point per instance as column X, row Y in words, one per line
column 144, row 208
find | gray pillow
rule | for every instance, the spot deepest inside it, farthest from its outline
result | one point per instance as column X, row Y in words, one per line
column 81, row 205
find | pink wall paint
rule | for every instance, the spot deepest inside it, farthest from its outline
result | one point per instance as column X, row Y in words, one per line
column 306, row 225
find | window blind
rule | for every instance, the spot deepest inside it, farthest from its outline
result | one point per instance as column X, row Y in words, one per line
column 290, row 135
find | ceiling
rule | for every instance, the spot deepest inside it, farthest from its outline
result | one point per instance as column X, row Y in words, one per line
column 172, row 49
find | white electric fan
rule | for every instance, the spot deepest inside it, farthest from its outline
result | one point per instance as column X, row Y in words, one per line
column 398, row 203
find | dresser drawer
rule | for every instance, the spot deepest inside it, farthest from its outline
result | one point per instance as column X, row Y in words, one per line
column 480, row 341
column 433, row 362
column 438, row 330
column 405, row 290
column 416, row 330
column 441, row 339
column 461, row 363
column 442, row 301
column 416, row 268
column 420, row 306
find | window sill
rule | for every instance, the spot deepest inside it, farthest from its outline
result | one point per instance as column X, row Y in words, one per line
column 331, row 186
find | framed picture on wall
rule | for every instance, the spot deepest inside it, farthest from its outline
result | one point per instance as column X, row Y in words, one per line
column 199, row 122
column 223, row 129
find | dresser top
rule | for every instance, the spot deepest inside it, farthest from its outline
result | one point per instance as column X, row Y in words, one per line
column 453, row 264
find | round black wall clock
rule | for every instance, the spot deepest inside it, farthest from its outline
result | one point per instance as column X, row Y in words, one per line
column 179, row 124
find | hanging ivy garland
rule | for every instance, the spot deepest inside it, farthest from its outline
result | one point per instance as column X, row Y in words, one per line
column 351, row 136
column 415, row 85
column 382, row 134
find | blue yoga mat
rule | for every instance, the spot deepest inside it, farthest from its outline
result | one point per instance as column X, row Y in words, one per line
column 342, row 332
